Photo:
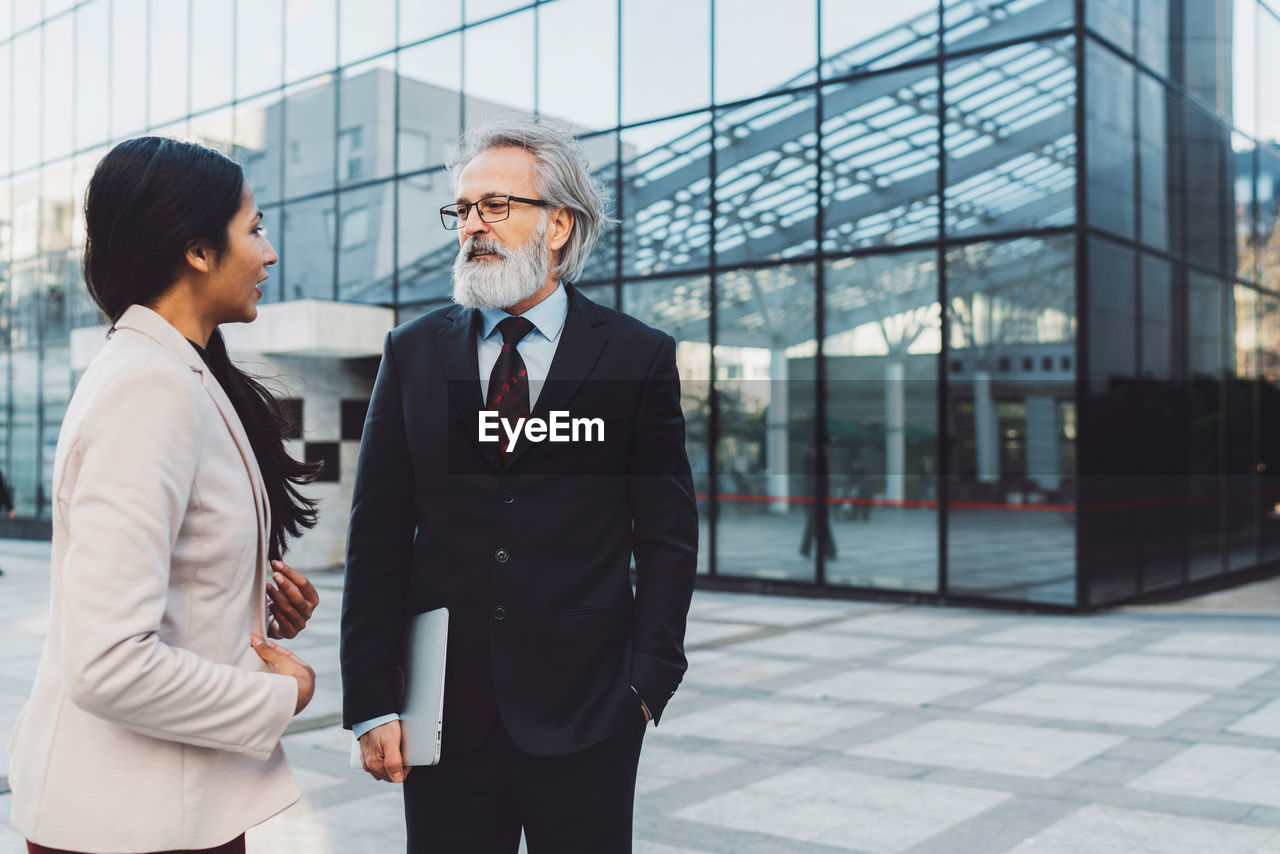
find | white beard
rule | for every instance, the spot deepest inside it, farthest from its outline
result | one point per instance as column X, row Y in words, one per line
column 513, row 278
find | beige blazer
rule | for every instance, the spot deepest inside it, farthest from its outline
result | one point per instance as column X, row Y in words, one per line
column 152, row 724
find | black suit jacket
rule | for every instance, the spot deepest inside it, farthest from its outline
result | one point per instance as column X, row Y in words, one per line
column 532, row 555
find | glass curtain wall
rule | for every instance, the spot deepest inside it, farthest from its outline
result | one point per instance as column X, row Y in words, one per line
column 936, row 270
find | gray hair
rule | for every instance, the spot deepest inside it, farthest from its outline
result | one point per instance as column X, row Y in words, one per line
column 562, row 177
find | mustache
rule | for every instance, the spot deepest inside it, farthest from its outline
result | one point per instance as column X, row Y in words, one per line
column 477, row 245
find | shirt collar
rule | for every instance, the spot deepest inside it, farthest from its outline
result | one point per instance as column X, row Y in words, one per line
column 547, row 316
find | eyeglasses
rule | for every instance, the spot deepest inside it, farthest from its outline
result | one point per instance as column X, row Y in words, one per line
column 491, row 209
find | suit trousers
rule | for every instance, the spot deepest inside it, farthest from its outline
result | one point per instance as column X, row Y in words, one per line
column 478, row 802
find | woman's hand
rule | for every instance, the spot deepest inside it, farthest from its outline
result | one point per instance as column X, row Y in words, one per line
column 293, row 601
column 280, row 660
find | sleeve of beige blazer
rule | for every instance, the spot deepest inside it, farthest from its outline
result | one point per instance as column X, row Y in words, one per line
column 129, row 478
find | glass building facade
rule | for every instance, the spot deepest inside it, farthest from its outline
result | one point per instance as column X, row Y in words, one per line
column 975, row 299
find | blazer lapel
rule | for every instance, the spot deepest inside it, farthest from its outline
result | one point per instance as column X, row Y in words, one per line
column 458, row 351
column 144, row 320
column 581, row 342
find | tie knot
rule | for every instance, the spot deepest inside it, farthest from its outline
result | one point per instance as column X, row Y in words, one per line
column 513, row 329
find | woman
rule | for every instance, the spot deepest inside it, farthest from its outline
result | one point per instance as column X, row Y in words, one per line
column 155, row 720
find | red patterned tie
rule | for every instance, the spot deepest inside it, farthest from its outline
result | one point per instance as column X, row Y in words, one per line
column 509, row 381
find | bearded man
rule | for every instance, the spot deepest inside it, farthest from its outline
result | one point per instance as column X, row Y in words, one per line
column 554, row 664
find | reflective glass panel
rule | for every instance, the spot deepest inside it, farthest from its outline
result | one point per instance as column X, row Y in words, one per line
column 1011, row 142
column 365, row 243
column 169, row 60
column 93, row 74
column 601, row 152
column 128, row 67
column 1244, row 65
column 666, row 195
column 309, row 232
column 1011, row 378
column 1268, row 312
column 367, row 122
column 311, row 38
column 367, row 27
column 1244, row 514
column 23, row 437
column 1154, row 43
column 864, row 36
column 880, row 160
column 214, row 130
column 1154, row 157
column 259, row 46
column 478, row 10
column 681, row 307
column 1113, row 303
column 882, row 337
column 765, row 185
column 1206, row 360
column 6, row 29
column 1267, row 83
column 1268, row 226
column 497, row 88
column 426, row 250
column 972, row 23
column 430, row 103
column 578, row 63
column 1110, row 160
column 26, row 101
column 666, row 65
column 309, row 136
column 763, row 46
column 25, row 14
column 59, row 88
column 1113, row 20
column 6, row 108
column 1243, row 156
column 1157, row 318
column 211, row 75
column 53, row 7
column 420, row 20
column 1209, row 219
column 771, row 522
column 259, row 145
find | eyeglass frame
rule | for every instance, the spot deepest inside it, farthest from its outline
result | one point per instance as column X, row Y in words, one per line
column 447, row 211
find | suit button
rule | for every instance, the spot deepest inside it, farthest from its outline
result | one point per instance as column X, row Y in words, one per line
column 508, row 496
column 501, row 556
column 499, row 613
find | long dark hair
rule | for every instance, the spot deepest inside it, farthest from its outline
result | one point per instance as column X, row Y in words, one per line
column 149, row 200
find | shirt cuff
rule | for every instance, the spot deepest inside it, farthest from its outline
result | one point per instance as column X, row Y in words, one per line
column 364, row 726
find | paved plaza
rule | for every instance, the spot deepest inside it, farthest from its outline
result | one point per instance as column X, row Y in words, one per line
column 823, row 726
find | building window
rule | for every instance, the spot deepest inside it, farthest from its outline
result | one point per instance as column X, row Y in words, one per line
column 351, row 154
column 355, row 227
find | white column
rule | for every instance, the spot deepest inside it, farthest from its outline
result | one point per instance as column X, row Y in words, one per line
column 986, row 428
column 895, row 434
column 775, row 427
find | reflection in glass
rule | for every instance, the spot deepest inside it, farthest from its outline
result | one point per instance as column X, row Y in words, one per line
column 1243, row 518
column 93, row 66
column 1011, row 142
column 972, row 23
column 366, row 27
column 1157, row 318
column 578, row 36
column 259, row 146
column 763, row 46
column 1268, row 314
column 420, row 20
column 865, row 36
column 311, row 38
column 1109, row 117
column 666, row 66
column 765, row 186
column 1113, row 322
column 214, row 130
column 1153, row 152
column 1114, row 20
column 426, row 250
column 6, row 106
column 883, row 333
column 602, row 158
column 1206, row 357
column 26, row 100
column 1268, row 218
column 1243, row 157
column 681, row 307
column 367, row 122
column 128, row 67
column 259, row 46
column 1210, row 220
column 309, row 138
column 211, row 51
column 309, row 234
column 23, row 438
column 1267, row 83
column 765, row 458
column 880, row 160
column 478, row 10
column 1154, row 43
column 430, row 102
column 496, row 88
column 365, row 250
column 169, row 60
column 666, row 196
column 1011, row 401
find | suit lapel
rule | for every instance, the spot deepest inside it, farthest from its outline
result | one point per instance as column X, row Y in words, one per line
column 458, row 351
column 581, row 342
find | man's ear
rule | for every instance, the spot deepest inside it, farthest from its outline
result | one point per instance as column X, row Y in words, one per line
column 200, row 256
column 559, row 227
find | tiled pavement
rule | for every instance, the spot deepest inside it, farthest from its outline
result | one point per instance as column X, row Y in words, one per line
column 824, row 726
